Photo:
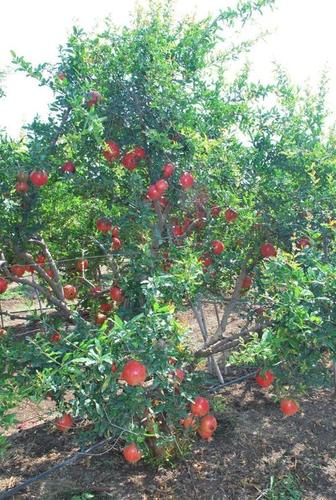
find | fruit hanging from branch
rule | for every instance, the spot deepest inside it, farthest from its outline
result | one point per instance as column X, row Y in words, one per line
column 134, row 373
column 39, row 178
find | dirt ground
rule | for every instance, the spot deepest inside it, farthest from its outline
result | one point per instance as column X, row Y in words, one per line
column 256, row 453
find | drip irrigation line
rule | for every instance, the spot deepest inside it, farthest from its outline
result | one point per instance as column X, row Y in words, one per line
column 70, row 461
column 216, row 388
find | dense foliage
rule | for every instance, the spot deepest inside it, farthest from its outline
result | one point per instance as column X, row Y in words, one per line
column 162, row 180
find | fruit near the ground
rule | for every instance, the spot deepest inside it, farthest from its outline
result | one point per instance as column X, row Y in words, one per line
column 64, row 423
column 200, row 407
column 131, row 453
column 265, row 379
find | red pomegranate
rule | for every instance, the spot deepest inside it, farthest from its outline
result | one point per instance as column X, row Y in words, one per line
column 130, row 161
column 134, row 373
column 116, row 244
column 131, row 453
column 247, row 283
column 200, row 407
column 103, row 225
column 139, row 153
column 21, row 187
column 94, row 98
column 189, row 422
column 3, row 285
column 161, row 186
column 186, row 180
column 82, row 265
column 230, row 215
column 64, row 423
column 111, row 151
column 289, row 407
column 268, row 250
column 208, row 424
column 68, row 167
column 39, row 178
column 116, row 294
column 217, row 247
column 168, row 170
column 266, row 379
column 70, row 292
column 152, row 193
column 18, row 270
column 303, row 242
column 215, row 211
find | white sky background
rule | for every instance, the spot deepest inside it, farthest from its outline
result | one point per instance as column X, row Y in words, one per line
column 303, row 41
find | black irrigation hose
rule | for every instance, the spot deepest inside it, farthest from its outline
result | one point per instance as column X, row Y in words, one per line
column 69, row 461
column 218, row 387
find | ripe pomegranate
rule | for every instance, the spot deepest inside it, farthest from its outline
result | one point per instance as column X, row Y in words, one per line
column 3, row 285
column 70, row 292
column 217, row 247
column 94, row 98
column 200, row 407
column 115, row 232
column 267, row 250
column 82, row 265
column 153, row 193
column 96, row 290
column 131, row 453
column 39, row 178
column 303, row 242
column 68, row 167
column 64, row 423
column 230, row 215
column 266, row 379
column 116, row 244
column 56, row 337
column 177, row 231
column 100, row 319
column 61, row 76
column 206, row 260
column 129, row 161
column 247, row 283
column 163, row 202
column 103, row 225
column 116, row 294
column 189, row 422
column 134, row 373
column 215, row 211
column 161, row 186
column 105, row 308
column 186, row 180
column 139, row 153
column 18, row 270
column 168, row 170
column 111, row 151
column 50, row 273
column 208, row 424
column 180, row 374
column 289, row 407
column 114, row 367
column 21, row 187
column 40, row 260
